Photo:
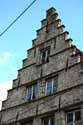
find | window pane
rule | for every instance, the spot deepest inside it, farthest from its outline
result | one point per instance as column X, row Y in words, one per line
column 35, row 91
column 29, row 93
column 46, row 122
column 69, row 117
column 46, row 57
column 77, row 115
column 49, row 87
column 55, row 85
column 43, row 55
column 52, row 121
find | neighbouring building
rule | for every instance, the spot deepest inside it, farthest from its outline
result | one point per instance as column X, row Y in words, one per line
column 49, row 86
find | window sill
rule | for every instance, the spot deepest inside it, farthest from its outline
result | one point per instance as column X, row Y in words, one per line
column 42, row 63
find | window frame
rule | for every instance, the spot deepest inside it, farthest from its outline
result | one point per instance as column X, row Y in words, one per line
column 32, row 91
column 46, row 58
column 52, row 85
column 74, row 120
column 49, row 118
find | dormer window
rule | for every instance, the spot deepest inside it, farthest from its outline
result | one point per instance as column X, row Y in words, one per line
column 45, row 55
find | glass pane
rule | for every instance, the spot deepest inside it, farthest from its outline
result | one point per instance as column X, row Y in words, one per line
column 46, row 122
column 35, row 91
column 69, row 117
column 43, row 55
column 77, row 115
column 55, row 85
column 29, row 93
column 52, row 121
column 49, row 87
column 46, row 57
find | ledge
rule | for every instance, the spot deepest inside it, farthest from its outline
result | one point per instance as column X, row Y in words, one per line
column 61, row 26
column 43, row 77
column 26, row 67
column 59, row 93
column 68, row 40
column 48, row 40
column 57, row 20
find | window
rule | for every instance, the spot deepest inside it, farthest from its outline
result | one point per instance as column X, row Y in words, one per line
column 32, row 92
column 51, row 86
column 45, row 55
column 48, row 121
column 73, row 117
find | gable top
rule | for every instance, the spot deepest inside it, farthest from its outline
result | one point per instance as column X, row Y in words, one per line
column 51, row 34
column 51, row 27
column 50, row 11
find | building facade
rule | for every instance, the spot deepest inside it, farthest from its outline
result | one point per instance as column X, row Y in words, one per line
column 49, row 86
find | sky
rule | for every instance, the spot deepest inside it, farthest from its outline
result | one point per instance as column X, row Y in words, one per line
column 18, row 39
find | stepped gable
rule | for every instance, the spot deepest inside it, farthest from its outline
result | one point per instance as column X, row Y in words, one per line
column 52, row 56
column 50, row 35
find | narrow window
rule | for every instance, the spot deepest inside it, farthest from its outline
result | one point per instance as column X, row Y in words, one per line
column 77, row 115
column 70, row 117
column 51, row 86
column 31, row 92
column 45, row 55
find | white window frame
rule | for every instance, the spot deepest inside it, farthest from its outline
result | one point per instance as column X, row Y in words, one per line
column 31, row 92
column 49, row 122
column 73, row 123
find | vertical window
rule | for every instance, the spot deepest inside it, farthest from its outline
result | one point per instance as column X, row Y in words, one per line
column 73, row 117
column 31, row 92
column 45, row 55
column 51, row 86
column 49, row 121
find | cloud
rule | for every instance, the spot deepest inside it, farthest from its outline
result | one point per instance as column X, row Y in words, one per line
column 5, row 57
column 4, row 86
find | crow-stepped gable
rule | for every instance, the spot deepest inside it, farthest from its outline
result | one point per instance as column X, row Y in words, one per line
column 49, row 87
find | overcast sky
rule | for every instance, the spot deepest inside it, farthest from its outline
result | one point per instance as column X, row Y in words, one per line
column 15, row 42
